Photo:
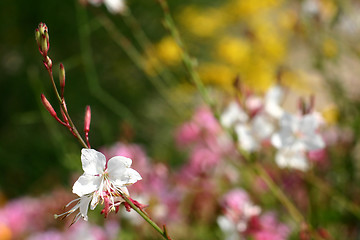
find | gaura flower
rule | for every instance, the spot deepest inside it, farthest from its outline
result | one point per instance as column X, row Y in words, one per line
column 103, row 182
column 297, row 135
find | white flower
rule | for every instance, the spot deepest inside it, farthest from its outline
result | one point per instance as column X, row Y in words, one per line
column 297, row 135
column 232, row 115
column 272, row 101
column 250, row 132
column 103, row 179
column 113, row 6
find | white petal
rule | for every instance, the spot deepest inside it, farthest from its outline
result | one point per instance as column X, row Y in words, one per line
column 120, row 172
column 86, row 184
column 84, row 206
column 119, row 162
column 292, row 159
column 275, row 94
column 115, row 6
column 233, row 114
column 262, row 127
column 308, row 124
column 93, row 162
column 313, row 142
column 246, row 139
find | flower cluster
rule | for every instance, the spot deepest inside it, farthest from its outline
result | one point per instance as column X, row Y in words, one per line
column 259, row 121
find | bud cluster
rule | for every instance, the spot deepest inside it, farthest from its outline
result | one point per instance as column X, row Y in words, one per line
column 42, row 40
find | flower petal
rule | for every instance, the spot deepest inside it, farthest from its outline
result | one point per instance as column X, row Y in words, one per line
column 86, row 184
column 93, row 162
column 84, row 206
column 120, row 172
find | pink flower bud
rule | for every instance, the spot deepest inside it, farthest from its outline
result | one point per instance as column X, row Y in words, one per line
column 37, row 36
column 87, row 119
column 48, row 106
column 62, row 79
column 42, row 28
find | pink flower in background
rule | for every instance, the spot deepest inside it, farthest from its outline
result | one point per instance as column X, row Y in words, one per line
column 270, row 229
column 203, row 127
column 238, row 211
column 21, row 215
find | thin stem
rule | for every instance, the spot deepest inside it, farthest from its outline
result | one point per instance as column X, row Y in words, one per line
column 65, row 111
column 147, row 46
column 135, row 57
column 187, row 59
column 146, row 218
column 279, row 194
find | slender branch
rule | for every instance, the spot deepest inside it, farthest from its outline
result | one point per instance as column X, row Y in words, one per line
column 146, row 217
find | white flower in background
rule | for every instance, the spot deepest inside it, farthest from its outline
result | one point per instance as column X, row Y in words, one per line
column 232, row 115
column 297, row 135
column 102, row 181
column 272, row 101
column 250, row 132
column 113, row 6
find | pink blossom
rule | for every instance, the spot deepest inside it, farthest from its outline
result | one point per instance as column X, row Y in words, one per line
column 271, row 229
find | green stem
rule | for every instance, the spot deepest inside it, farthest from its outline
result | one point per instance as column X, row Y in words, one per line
column 187, row 60
column 136, row 58
column 65, row 111
column 146, row 217
column 279, row 194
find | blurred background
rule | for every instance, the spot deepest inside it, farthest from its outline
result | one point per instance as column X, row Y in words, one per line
column 128, row 68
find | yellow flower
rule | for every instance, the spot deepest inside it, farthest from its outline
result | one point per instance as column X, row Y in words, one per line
column 329, row 48
column 202, row 23
column 246, row 8
column 168, row 51
column 259, row 74
column 233, row 50
column 331, row 114
column 217, row 74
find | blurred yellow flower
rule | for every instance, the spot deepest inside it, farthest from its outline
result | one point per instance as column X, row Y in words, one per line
column 246, row 8
column 233, row 50
column 168, row 51
column 270, row 43
column 331, row 114
column 259, row 74
column 217, row 74
column 202, row 22
column 329, row 48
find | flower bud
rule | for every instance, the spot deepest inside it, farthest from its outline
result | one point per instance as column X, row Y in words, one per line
column 62, row 79
column 87, row 119
column 48, row 62
column 44, row 46
column 42, row 28
column 37, row 36
column 48, row 106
